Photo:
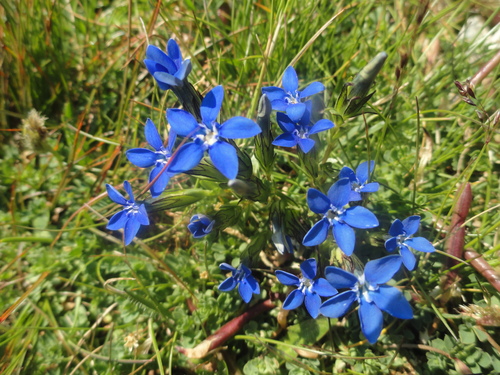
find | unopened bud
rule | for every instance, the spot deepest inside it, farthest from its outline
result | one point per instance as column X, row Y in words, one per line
column 363, row 81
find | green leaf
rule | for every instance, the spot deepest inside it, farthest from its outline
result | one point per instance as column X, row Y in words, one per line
column 306, row 333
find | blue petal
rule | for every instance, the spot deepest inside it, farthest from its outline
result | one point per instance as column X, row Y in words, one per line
column 210, row 106
column 160, row 185
column 167, row 79
column 296, row 111
column 411, row 224
column 312, row 89
column 321, row 125
column 245, row 291
column 324, row 288
column 184, row 70
column 360, row 217
column 290, row 81
column 182, row 122
column 371, row 320
column 391, row 300
column 141, row 157
column 128, row 189
column 308, row 268
column 312, row 302
column 117, row 221
column 409, row 259
column 294, row 300
column 131, row 229
column 228, row 284
column 285, row 140
column 226, row 267
column 152, row 135
column 339, row 193
column 254, row 285
column 370, row 187
column 344, row 236
column 317, row 234
column 142, row 215
column 380, row 271
column 274, row 93
column 340, row 278
column 224, row 158
column 239, row 127
column 420, row 244
column 279, row 105
column 160, row 57
column 347, row 172
column 115, row 195
column 285, row 123
column 186, row 158
column 306, row 144
column 171, row 140
column 173, row 50
column 391, row 244
column 287, row 278
column 317, row 201
column 396, row 228
column 362, row 171
column 338, row 305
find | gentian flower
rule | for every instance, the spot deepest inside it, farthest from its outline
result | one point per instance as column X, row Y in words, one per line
column 402, row 232
column 200, row 225
column 289, row 98
column 359, row 180
column 298, row 132
column 131, row 217
column 168, row 69
column 207, row 135
column 370, row 292
column 308, row 290
column 341, row 220
column 145, row 158
column 241, row 276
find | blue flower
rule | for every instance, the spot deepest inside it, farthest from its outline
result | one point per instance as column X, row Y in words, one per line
column 241, row 276
column 207, row 135
column 289, row 98
column 359, row 180
column 200, row 225
column 402, row 232
column 308, row 290
column 335, row 216
column 370, row 292
column 298, row 132
column 131, row 217
column 168, row 69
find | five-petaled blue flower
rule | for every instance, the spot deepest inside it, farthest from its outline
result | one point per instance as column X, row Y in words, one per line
column 241, row 276
column 341, row 220
column 298, row 132
column 308, row 290
column 402, row 232
column 289, row 98
column 167, row 68
column 131, row 217
column 161, row 155
column 368, row 290
column 359, row 180
column 200, row 225
column 208, row 135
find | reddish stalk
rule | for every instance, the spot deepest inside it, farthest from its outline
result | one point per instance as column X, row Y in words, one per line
column 482, row 266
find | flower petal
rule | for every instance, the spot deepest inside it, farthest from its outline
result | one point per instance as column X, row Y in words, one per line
column 363, row 172
column 160, row 57
column 338, row 305
column 340, row 278
column 115, row 195
column 380, row 271
column 344, row 236
column 317, row 201
column 287, row 278
column 312, row 89
column 239, row 127
column 141, row 157
column 360, row 217
column 224, row 158
column 296, row 111
column 128, row 189
column 118, row 220
column 411, row 224
column 254, row 285
column 285, row 123
column 226, row 267
column 371, row 320
column 182, row 122
column 160, row 185
column 274, row 93
column 285, row 140
column 142, row 215
column 317, row 234
column 312, row 302
column 228, row 284
column 391, row 244
column 339, row 193
column 306, row 144
column 308, row 268
column 184, row 70
column 290, row 80
column 347, row 172
column 131, row 229
column 167, row 79
column 409, row 259
column 391, row 300
column 396, row 228
column 370, row 187
column 324, row 288
column 279, row 105
column 173, row 50
column 210, row 106
column 420, row 244
column 186, row 158
column 293, row 300
column 245, row 291
column 152, row 135
column 321, row 125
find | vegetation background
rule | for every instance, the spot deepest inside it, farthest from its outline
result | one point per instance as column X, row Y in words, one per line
column 74, row 300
